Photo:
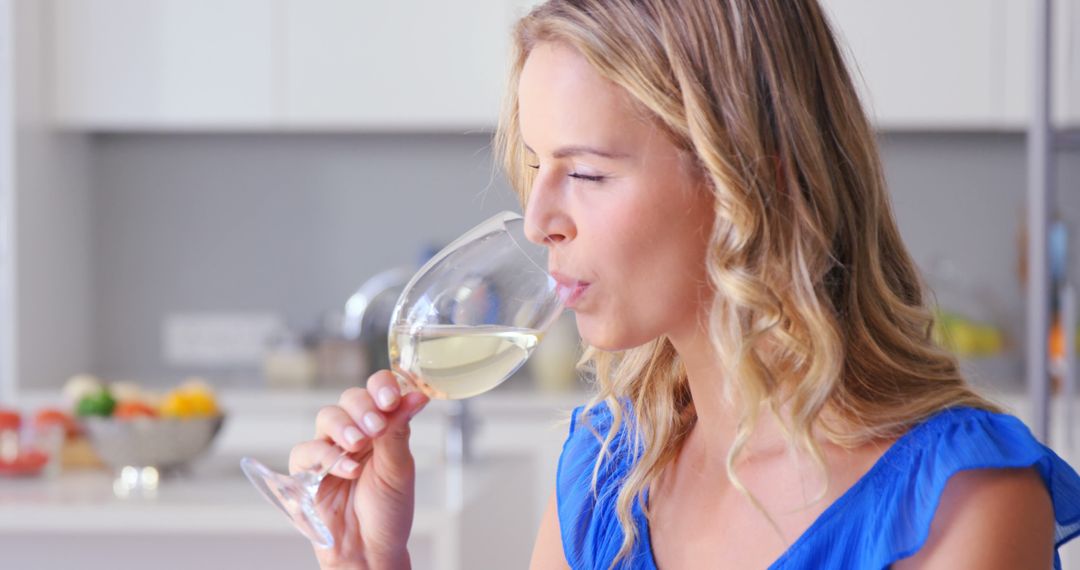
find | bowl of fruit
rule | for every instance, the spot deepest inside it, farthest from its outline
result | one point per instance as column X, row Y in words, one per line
column 128, row 426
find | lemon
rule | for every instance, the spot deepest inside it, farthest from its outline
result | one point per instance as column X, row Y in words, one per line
column 177, row 405
column 201, row 403
column 193, row 398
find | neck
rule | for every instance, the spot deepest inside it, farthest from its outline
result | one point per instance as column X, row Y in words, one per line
column 717, row 419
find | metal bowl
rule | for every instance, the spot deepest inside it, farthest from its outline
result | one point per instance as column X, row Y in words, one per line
column 163, row 443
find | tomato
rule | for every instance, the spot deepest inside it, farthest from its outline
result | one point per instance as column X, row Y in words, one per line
column 28, row 462
column 55, row 416
column 134, row 409
column 9, row 419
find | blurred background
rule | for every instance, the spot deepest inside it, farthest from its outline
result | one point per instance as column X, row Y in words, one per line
column 197, row 196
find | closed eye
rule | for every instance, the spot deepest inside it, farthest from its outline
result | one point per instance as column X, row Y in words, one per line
column 585, row 177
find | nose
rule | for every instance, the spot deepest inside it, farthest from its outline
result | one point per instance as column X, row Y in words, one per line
column 547, row 221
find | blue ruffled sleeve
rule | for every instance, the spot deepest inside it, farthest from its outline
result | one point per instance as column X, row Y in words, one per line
column 966, row 439
column 887, row 516
column 591, row 534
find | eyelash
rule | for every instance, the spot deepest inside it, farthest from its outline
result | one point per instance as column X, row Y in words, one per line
column 584, row 177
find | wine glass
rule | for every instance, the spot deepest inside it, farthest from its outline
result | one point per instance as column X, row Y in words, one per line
column 465, row 322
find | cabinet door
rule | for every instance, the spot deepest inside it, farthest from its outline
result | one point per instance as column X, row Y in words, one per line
column 414, row 64
column 1065, row 62
column 924, row 63
column 163, row 63
column 1018, row 32
column 1069, row 42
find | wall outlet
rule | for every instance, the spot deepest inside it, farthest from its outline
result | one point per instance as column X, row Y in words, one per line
column 217, row 339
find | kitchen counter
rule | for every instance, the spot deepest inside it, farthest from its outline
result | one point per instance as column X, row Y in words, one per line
column 212, row 497
column 487, row 510
column 212, row 510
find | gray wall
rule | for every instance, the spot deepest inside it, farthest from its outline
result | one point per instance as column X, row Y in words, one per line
column 291, row 224
column 287, row 224
column 51, row 205
column 962, row 197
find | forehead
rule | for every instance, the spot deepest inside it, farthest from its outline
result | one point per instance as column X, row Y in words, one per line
column 562, row 99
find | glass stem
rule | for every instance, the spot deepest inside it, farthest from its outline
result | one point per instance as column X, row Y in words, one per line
column 330, row 467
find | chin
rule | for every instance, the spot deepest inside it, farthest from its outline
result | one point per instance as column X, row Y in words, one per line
column 607, row 338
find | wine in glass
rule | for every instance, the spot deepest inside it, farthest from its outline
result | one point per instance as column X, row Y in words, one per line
column 465, row 322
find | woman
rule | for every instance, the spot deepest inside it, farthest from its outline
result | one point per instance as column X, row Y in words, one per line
column 768, row 391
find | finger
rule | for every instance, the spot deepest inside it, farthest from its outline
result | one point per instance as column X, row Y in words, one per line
column 315, row 455
column 383, row 385
column 414, row 402
column 357, row 402
column 335, row 424
column 394, row 459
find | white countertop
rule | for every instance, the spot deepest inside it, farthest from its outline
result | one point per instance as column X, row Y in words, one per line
column 213, row 498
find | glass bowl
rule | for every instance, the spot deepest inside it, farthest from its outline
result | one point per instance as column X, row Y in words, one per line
column 162, row 443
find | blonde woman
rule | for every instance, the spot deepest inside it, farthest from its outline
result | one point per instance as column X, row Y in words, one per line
column 769, row 395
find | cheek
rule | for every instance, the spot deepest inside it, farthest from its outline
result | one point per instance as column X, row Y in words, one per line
column 669, row 287
column 652, row 265
column 634, row 311
column 647, row 291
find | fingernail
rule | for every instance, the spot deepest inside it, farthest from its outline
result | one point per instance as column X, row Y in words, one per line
column 373, row 422
column 348, row 465
column 387, row 397
column 352, row 435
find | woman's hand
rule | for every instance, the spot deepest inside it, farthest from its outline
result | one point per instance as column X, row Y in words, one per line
column 367, row 500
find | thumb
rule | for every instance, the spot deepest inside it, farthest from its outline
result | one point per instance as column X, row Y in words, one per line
column 391, row 450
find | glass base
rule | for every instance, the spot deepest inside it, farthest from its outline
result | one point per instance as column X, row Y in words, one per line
column 294, row 495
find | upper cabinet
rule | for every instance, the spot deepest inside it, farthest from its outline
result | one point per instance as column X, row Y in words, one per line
column 922, row 63
column 164, row 63
column 961, row 64
column 1017, row 23
column 394, row 65
column 288, row 64
column 438, row 65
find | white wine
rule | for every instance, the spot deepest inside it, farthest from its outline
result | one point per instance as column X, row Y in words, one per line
column 455, row 361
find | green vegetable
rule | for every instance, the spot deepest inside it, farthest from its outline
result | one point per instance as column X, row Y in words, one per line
column 100, row 403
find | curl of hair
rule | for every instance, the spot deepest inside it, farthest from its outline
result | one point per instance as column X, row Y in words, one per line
column 820, row 316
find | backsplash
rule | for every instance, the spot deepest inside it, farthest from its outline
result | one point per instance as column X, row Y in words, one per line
column 281, row 224
column 291, row 224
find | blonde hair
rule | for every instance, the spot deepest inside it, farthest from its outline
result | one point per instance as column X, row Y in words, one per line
column 820, row 314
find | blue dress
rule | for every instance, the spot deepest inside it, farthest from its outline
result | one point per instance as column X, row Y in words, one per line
column 883, row 517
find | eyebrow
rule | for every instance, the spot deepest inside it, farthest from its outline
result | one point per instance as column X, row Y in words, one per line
column 575, row 150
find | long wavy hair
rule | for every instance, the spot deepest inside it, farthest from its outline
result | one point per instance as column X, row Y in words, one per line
column 820, row 315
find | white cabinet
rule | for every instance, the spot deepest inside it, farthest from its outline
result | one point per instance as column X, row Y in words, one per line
column 963, row 64
column 418, row 64
column 163, row 63
column 1065, row 61
column 1069, row 48
column 922, row 63
column 290, row 64
column 436, row 65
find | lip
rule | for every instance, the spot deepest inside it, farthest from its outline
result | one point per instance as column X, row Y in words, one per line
column 570, row 290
